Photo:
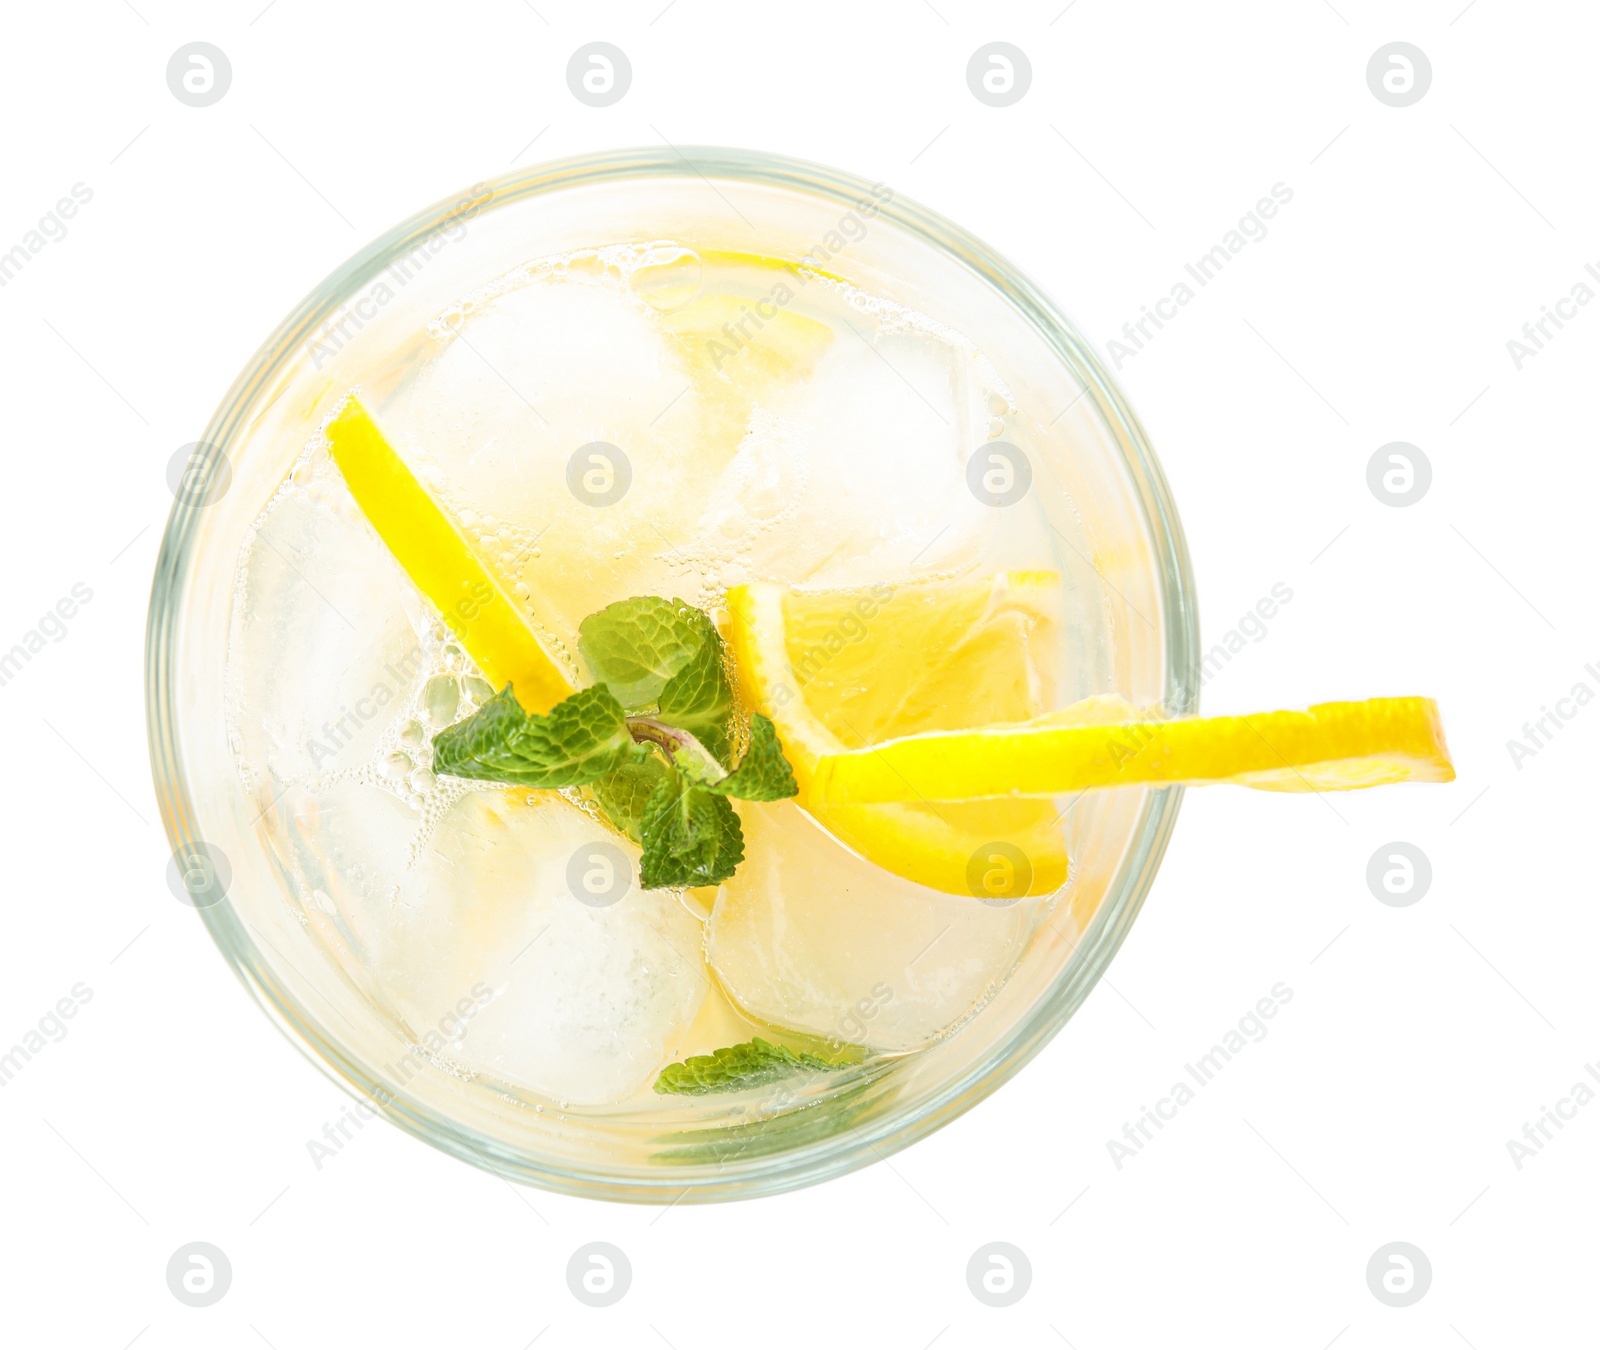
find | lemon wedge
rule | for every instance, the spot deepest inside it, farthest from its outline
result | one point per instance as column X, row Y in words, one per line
column 910, row 716
column 436, row 556
column 1330, row 747
column 838, row 671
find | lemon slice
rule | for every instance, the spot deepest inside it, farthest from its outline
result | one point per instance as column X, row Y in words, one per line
column 1328, row 747
column 838, row 671
column 439, row 560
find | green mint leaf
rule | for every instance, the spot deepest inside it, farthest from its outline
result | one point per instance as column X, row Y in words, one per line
column 689, row 836
column 579, row 740
column 624, row 792
column 763, row 774
column 753, row 1064
column 698, row 698
column 637, row 646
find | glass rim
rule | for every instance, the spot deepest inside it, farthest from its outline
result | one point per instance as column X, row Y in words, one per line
column 900, row 1126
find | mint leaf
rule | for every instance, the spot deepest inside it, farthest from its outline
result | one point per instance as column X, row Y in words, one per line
column 636, row 646
column 579, row 740
column 623, row 793
column 763, row 774
column 690, row 837
column 753, row 1064
column 698, row 698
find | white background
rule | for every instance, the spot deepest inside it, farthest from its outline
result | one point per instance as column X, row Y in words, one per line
column 1378, row 308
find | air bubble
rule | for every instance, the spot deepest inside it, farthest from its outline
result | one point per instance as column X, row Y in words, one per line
column 440, row 696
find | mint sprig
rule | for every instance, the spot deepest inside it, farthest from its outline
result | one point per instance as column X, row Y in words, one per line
column 577, row 741
column 755, row 1063
column 763, row 775
column 691, row 837
column 623, row 793
column 652, row 741
column 637, row 646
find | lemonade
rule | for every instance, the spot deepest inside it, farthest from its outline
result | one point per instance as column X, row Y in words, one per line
column 778, row 426
column 693, row 690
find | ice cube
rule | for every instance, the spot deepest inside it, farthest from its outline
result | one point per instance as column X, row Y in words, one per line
column 324, row 651
column 809, row 937
column 523, row 385
column 857, row 473
column 520, row 945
